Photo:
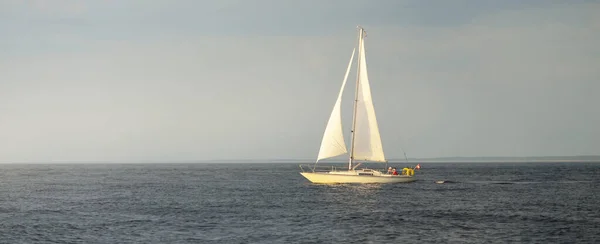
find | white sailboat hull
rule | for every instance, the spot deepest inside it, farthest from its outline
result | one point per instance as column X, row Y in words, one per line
column 336, row 178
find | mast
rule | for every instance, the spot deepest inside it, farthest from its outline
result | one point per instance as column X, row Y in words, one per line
column 360, row 39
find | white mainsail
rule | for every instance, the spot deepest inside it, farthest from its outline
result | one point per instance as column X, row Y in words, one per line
column 367, row 141
column 333, row 139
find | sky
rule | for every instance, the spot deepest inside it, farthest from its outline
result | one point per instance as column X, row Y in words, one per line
column 152, row 80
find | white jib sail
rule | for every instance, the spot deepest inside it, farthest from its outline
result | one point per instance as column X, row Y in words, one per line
column 367, row 141
column 333, row 139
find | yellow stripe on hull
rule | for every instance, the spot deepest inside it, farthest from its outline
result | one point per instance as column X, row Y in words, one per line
column 326, row 178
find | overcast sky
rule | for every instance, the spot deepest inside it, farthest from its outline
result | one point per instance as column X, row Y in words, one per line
column 116, row 80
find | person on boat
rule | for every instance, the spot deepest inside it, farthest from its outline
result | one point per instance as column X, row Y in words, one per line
column 394, row 172
column 390, row 171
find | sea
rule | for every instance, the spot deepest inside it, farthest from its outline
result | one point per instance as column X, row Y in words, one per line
column 272, row 203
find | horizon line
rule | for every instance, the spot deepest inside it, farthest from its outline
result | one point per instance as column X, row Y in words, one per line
column 449, row 159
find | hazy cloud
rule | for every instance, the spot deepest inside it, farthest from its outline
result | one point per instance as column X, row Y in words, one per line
column 149, row 80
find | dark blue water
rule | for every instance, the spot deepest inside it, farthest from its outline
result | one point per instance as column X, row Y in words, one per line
column 272, row 203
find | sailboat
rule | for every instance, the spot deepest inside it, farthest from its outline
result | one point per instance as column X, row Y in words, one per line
column 365, row 145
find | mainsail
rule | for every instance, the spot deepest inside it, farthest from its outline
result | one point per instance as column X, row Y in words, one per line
column 367, row 141
column 333, row 139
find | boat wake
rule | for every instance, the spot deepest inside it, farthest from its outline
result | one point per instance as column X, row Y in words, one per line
column 445, row 182
column 487, row 182
column 492, row 182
